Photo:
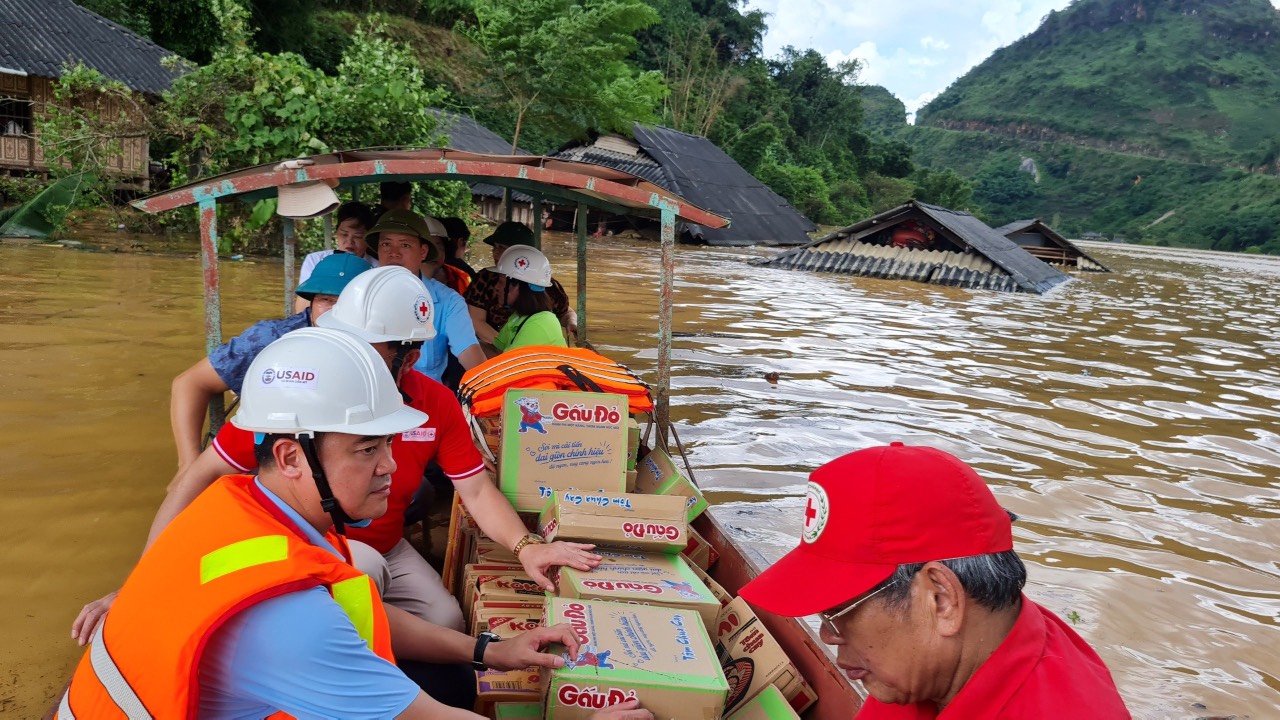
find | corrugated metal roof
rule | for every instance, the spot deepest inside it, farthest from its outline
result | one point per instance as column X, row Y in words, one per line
column 1038, row 226
column 39, row 37
column 988, row 260
column 692, row 166
column 464, row 133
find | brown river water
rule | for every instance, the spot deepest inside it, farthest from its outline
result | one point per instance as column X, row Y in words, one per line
column 1130, row 419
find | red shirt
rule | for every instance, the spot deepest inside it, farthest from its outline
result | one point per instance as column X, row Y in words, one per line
column 444, row 437
column 1043, row 669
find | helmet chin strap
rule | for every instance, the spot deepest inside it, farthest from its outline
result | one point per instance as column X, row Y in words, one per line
column 327, row 501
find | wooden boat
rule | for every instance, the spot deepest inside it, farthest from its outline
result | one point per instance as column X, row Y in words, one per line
column 583, row 184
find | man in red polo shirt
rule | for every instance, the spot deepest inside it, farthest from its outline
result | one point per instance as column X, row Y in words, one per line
column 908, row 559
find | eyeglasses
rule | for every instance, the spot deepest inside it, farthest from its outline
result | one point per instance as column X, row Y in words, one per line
column 829, row 620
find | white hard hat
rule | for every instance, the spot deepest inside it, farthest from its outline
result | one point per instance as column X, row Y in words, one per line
column 528, row 264
column 386, row 304
column 315, row 380
column 305, row 200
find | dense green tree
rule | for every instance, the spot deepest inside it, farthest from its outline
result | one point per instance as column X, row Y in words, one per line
column 943, row 187
column 562, row 63
column 825, row 105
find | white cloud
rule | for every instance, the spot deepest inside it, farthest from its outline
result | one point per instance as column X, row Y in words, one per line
column 929, row 42
column 872, row 66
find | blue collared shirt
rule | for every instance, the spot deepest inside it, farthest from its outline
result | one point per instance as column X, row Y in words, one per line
column 231, row 359
column 454, row 330
column 298, row 653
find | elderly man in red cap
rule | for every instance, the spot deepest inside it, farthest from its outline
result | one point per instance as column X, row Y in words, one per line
column 908, row 559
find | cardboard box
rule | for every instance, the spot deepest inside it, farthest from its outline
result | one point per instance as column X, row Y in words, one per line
column 486, row 551
column 657, row 474
column 648, row 523
column 768, row 705
column 491, row 433
column 753, row 660
column 507, row 686
column 631, row 481
column 506, row 618
column 633, row 442
column 716, row 589
column 517, row 711
column 462, row 533
column 700, row 552
column 501, row 585
column 555, row 440
column 660, row 655
column 647, row 579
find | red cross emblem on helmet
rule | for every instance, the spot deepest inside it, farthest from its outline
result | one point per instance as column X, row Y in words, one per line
column 422, row 309
column 522, row 263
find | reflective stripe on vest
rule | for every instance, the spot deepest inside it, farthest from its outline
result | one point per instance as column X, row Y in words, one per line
column 111, row 679
column 355, row 595
column 242, row 555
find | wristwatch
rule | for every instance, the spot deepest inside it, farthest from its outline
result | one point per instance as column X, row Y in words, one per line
column 530, row 539
column 482, row 642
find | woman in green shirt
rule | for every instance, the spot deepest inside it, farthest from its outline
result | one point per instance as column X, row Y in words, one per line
column 528, row 273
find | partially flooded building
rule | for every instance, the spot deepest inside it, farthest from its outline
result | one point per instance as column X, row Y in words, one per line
column 925, row 243
column 1047, row 244
column 694, row 168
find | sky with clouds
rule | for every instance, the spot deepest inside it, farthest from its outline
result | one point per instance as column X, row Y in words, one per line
column 915, row 48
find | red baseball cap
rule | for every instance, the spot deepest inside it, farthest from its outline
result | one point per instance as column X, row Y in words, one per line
column 870, row 511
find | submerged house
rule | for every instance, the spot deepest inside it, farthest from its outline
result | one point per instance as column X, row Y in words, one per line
column 694, row 168
column 38, row 38
column 1049, row 245
column 925, row 243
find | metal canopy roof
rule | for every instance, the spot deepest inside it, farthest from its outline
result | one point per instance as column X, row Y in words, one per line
column 571, row 182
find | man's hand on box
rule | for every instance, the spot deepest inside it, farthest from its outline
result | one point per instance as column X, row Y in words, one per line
column 629, row 710
column 526, row 649
column 539, row 559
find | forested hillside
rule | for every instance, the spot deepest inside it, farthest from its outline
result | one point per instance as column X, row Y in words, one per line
column 1158, row 120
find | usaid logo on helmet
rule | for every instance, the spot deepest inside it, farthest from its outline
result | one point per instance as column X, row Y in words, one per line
column 294, row 378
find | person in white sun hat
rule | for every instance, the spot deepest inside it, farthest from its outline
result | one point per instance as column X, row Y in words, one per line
column 528, row 274
column 248, row 604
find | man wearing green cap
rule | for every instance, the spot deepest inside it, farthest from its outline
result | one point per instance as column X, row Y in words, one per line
column 224, row 368
column 405, row 238
column 487, row 295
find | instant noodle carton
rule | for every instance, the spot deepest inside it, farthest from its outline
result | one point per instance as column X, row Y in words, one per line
column 462, row 533
column 649, row 523
column 700, row 552
column 768, row 705
column 647, row 579
column 753, row 660
column 486, row 551
column 506, row 618
column 657, row 474
column 511, row 587
column 507, row 686
column 517, row 711
column 661, row 656
column 474, row 574
column 556, row 440
column 633, row 442
column 716, row 589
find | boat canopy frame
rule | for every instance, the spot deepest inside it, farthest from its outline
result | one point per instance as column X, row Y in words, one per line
column 584, row 185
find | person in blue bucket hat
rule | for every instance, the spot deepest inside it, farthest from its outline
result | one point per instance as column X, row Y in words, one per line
column 225, row 367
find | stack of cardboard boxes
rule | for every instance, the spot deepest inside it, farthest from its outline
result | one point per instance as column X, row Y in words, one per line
column 650, row 621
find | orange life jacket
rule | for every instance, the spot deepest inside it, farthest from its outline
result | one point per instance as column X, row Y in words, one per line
column 547, row 367
column 231, row 548
column 456, row 278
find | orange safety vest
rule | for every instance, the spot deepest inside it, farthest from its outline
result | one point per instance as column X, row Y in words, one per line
column 548, row 367
column 231, row 548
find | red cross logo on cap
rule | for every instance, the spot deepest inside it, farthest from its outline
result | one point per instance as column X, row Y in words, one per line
column 422, row 309
column 817, row 508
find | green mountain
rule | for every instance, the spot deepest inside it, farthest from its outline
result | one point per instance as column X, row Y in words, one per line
column 1155, row 119
column 882, row 112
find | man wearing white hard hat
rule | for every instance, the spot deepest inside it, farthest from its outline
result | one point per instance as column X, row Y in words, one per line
column 248, row 604
column 388, row 308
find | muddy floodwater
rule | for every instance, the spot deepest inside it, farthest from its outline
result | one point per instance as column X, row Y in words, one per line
column 1130, row 420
